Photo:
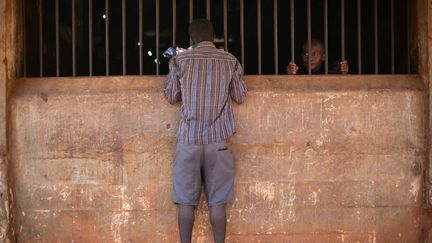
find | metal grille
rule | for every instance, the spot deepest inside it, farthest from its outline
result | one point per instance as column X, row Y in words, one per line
column 127, row 37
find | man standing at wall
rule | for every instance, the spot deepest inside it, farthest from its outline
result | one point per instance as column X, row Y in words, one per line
column 205, row 79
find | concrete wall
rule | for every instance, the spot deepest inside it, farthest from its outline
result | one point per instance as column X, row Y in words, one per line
column 6, row 74
column 428, row 79
column 329, row 159
column 333, row 160
column 3, row 80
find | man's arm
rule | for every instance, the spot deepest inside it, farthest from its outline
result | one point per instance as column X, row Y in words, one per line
column 171, row 87
column 238, row 89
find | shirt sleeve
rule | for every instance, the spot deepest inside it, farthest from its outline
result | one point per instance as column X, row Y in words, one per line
column 171, row 87
column 238, row 89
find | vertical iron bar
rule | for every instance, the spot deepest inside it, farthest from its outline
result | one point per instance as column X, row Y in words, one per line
column 73, row 40
column 326, row 35
column 157, row 37
column 190, row 15
column 174, row 13
column 259, row 34
column 376, row 34
column 107, row 17
column 225, row 24
column 90, row 13
column 242, row 32
column 140, row 43
column 174, row 21
column 408, row 37
column 343, row 30
column 40, row 39
column 57, row 38
column 309, row 30
column 392, row 36
column 276, row 47
column 124, row 35
column 359, row 37
column 23, row 16
column 191, row 11
column 292, row 31
column 208, row 9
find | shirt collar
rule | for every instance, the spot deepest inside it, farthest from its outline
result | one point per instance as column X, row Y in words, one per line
column 203, row 44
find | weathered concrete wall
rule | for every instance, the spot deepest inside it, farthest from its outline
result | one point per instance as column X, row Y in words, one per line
column 3, row 79
column 5, row 51
column 427, row 74
column 333, row 159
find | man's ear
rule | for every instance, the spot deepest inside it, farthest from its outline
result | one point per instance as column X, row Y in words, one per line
column 323, row 57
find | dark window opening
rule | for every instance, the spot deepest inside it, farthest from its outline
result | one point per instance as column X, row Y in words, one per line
column 127, row 37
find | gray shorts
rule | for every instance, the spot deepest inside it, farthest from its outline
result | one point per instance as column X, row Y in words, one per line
column 212, row 164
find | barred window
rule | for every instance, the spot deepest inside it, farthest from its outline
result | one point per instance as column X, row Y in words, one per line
column 127, row 37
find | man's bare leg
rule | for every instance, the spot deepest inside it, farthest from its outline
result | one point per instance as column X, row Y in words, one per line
column 186, row 218
column 218, row 222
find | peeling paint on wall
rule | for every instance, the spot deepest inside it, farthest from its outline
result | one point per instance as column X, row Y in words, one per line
column 415, row 187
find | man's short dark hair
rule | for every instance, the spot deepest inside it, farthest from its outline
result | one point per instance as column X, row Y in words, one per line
column 201, row 30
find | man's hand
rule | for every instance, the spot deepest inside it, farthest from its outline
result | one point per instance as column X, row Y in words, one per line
column 180, row 49
column 344, row 67
column 292, row 68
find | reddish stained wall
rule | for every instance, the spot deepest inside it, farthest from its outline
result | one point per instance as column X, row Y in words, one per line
column 6, row 73
column 330, row 159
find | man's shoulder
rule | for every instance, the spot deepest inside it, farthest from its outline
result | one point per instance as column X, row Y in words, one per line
column 205, row 53
column 222, row 54
column 229, row 55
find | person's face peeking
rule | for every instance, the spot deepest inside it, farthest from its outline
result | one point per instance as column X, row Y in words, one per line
column 317, row 55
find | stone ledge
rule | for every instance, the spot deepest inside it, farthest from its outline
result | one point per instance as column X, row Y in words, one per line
column 305, row 83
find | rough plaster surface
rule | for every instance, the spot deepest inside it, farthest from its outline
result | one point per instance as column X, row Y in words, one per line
column 333, row 159
column 3, row 78
column 4, row 199
column 428, row 79
column 4, row 206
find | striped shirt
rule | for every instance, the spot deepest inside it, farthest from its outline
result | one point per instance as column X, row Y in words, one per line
column 206, row 80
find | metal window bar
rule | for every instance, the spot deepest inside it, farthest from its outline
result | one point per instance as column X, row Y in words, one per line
column 190, row 16
column 392, row 36
column 309, row 35
column 73, row 40
column 57, row 38
column 174, row 22
column 259, row 34
column 326, row 65
column 90, row 44
column 191, row 11
column 225, row 24
column 292, row 31
column 342, row 30
column 408, row 37
column 107, row 17
column 376, row 34
column 40, row 38
column 157, row 37
column 359, row 36
column 24, row 39
column 275, row 24
column 242, row 32
column 208, row 9
column 124, row 35
column 140, row 43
